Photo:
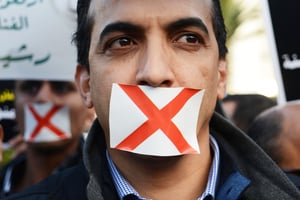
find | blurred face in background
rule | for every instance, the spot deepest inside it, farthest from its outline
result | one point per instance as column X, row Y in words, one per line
column 56, row 92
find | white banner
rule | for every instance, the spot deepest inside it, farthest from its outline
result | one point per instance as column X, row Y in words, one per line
column 35, row 39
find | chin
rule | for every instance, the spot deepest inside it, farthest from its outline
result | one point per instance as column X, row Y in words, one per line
column 49, row 147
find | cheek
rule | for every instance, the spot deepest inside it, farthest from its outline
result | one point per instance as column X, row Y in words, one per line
column 20, row 118
column 106, row 71
column 19, row 106
column 195, row 70
column 199, row 76
column 209, row 75
column 77, row 116
column 100, row 94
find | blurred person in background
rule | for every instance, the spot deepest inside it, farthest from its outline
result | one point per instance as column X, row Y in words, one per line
column 277, row 131
column 44, row 157
column 243, row 108
column 50, row 114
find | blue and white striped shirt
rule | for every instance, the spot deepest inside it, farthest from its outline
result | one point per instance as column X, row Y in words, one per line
column 124, row 188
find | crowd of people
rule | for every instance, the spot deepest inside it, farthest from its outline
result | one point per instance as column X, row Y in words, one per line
column 149, row 94
column 243, row 108
column 277, row 131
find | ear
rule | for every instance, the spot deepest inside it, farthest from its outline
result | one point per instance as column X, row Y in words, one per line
column 222, row 79
column 82, row 79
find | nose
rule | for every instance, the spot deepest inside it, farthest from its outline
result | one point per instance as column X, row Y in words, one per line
column 155, row 67
column 44, row 93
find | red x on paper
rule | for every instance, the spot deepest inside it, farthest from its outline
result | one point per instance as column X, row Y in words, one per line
column 157, row 119
column 45, row 122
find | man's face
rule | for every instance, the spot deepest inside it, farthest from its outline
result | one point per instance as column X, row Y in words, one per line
column 55, row 92
column 161, row 43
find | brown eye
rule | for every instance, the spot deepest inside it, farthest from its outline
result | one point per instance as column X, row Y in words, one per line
column 29, row 87
column 62, row 87
column 189, row 42
column 121, row 43
column 189, row 38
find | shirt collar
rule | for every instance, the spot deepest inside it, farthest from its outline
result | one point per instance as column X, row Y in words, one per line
column 124, row 188
column 210, row 189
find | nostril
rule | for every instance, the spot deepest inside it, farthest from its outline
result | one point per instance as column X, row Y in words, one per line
column 143, row 83
column 165, row 83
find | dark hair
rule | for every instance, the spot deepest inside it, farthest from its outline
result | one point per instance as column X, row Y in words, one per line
column 219, row 28
column 82, row 37
column 265, row 131
column 248, row 106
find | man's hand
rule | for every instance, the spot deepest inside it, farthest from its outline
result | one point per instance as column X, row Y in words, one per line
column 18, row 145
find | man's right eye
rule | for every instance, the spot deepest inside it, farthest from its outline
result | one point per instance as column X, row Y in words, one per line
column 119, row 46
column 123, row 42
column 30, row 87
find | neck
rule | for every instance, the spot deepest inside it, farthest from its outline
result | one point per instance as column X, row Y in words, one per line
column 180, row 177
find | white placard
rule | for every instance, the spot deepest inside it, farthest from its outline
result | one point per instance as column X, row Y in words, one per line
column 36, row 39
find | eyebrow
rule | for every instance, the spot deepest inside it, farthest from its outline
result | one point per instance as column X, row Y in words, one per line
column 125, row 27
column 187, row 22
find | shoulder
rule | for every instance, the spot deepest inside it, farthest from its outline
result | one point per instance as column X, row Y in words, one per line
column 244, row 163
column 68, row 184
column 19, row 160
column 11, row 173
column 295, row 179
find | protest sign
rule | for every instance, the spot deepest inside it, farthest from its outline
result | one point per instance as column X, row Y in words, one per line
column 283, row 32
column 35, row 46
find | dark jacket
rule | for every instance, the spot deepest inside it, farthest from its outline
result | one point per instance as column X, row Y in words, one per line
column 295, row 179
column 246, row 172
column 11, row 173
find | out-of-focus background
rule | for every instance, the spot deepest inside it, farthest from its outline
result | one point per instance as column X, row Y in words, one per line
column 251, row 69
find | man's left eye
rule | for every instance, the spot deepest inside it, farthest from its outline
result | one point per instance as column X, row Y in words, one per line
column 188, row 38
column 63, row 87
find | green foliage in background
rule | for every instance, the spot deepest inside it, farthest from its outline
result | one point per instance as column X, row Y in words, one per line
column 231, row 12
column 7, row 157
column 235, row 14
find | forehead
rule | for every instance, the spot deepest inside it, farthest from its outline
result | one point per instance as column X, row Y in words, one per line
column 147, row 11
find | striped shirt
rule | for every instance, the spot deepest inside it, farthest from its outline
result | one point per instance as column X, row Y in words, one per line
column 125, row 190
